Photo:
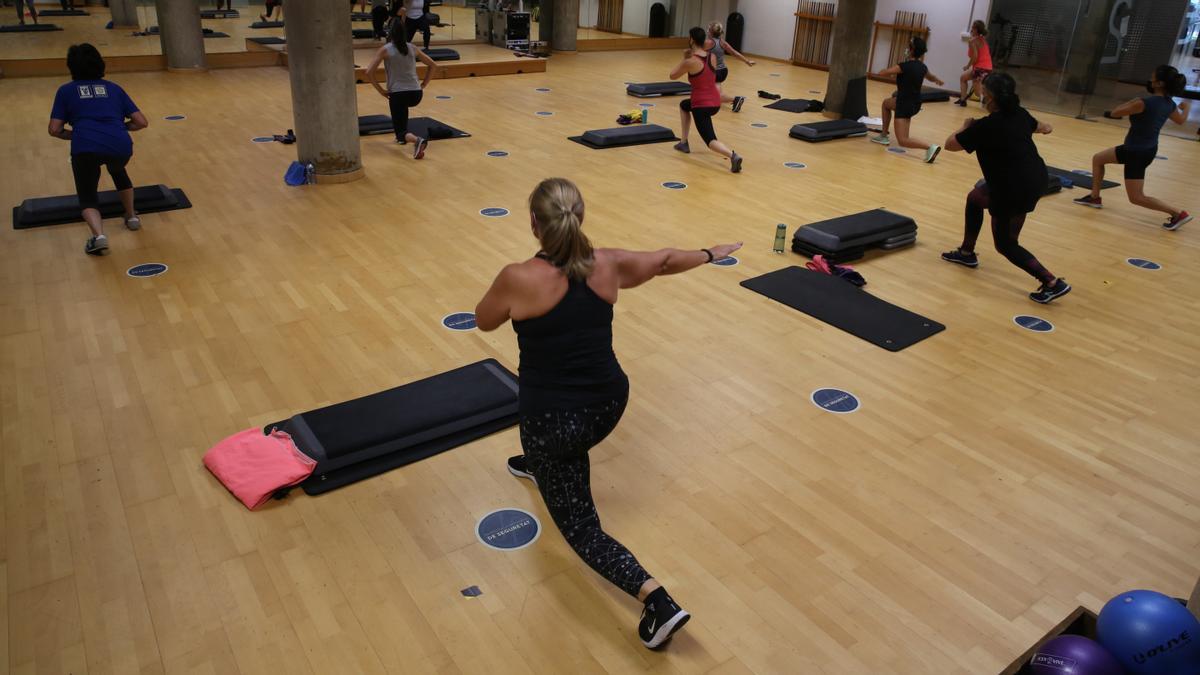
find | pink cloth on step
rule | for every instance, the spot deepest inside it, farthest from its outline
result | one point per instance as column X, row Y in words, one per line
column 253, row 466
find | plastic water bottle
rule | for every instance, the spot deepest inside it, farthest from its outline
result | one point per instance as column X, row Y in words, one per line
column 645, row 115
column 310, row 174
column 780, row 237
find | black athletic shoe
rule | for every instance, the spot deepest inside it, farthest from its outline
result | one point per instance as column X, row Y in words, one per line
column 516, row 466
column 735, row 163
column 962, row 103
column 1049, row 292
column 957, row 256
column 737, row 103
column 661, row 618
column 683, row 147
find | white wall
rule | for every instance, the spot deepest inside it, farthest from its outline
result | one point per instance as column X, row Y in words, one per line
column 770, row 27
column 635, row 17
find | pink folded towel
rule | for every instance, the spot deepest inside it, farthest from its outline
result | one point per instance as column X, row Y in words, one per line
column 253, row 466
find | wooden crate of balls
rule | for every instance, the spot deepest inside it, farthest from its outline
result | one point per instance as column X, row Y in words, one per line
column 1082, row 621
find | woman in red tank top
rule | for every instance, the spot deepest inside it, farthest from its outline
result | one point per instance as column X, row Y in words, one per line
column 979, row 62
column 705, row 100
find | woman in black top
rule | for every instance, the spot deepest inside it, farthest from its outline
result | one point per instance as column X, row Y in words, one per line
column 906, row 102
column 572, row 389
column 1015, row 179
column 1147, row 115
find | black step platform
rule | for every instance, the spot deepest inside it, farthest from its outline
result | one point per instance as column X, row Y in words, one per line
column 370, row 435
column 847, row 237
column 29, row 28
column 43, row 211
column 815, row 132
column 442, row 54
column 267, row 24
column 843, row 305
column 362, row 33
column 268, row 40
column 654, row 89
column 62, row 12
column 208, row 32
column 929, row 95
column 360, row 16
column 372, row 125
column 617, row 137
column 1082, row 180
column 219, row 14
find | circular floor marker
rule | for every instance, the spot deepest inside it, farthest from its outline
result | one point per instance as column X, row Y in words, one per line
column 646, row 105
column 494, row 212
column 674, row 185
column 727, row 261
column 1143, row 263
column 508, row 529
column 759, row 125
column 444, row 97
column 543, row 113
column 497, row 153
column 1163, row 157
column 1081, row 172
column 542, row 89
column 1033, row 323
column 813, row 91
column 460, row 321
column 146, row 270
column 776, row 75
column 174, row 118
column 898, row 151
column 835, row 401
column 795, row 165
column 262, row 139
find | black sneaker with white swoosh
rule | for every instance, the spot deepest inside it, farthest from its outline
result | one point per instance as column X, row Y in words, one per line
column 661, row 618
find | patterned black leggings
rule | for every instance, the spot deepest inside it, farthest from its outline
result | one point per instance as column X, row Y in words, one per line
column 556, row 445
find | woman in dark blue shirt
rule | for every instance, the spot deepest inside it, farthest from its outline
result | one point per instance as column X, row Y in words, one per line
column 100, row 115
column 1147, row 115
column 906, row 102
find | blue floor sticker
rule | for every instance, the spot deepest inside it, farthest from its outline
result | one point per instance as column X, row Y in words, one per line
column 146, row 270
column 444, row 97
column 1033, row 323
column 263, row 139
column 646, row 105
column 174, row 118
column 898, row 151
column 494, row 212
column 1143, row 263
column 544, row 113
column 471, row 592
column 542, row 89
column 1163, row 157
column 835, row 400
column 1081, row 172
column 508, row 529
column 497, row 153
column 459, row 321
column 674, row 185
column 776, row 75
column 759, row 125
column 795, row 165
column 727, row 261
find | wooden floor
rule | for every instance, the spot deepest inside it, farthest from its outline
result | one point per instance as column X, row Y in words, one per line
column 993, row 480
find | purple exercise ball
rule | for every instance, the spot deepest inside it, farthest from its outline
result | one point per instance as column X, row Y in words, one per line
column 1074, row 655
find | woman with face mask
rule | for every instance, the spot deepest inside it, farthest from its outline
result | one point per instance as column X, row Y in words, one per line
column 1014, row 180
column 1147, row 115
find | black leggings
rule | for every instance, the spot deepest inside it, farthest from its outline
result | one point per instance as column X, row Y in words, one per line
column 556, row 445
column 1005, row 230
column 86, row 167
column 271, row 5
column 702, row 118
column 414, row 25
column 400, row 102
column 379, row 17
column 21, row 10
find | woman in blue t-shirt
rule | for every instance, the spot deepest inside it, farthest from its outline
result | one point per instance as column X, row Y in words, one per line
column 1147, row 115
column 100, row 115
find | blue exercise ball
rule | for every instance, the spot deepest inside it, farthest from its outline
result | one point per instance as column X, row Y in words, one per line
column 1150, row 634
column 1073, row 655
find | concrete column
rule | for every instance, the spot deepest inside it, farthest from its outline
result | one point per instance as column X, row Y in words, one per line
column 324, row 101
column 181, row 36
column 124, row 13
column 852, row 46
column 566, row 25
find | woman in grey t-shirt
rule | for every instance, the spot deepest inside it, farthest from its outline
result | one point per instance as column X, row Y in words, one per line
column 403, row 91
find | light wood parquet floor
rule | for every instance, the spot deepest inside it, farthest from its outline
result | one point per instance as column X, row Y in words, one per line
column 993, row 480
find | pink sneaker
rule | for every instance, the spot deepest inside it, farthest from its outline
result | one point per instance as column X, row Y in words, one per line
column 1174, row 223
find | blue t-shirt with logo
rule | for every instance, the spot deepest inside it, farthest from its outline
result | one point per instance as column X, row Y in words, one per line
column 96, row 111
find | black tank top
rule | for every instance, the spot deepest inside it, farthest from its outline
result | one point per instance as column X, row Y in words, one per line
column 567, row 359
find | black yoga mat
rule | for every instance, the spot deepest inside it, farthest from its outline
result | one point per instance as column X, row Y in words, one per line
column 29, row 28
column 845, row 306
column 65, row 209
column 62, row 12
column 370, row 435
column 1079, row 179
column 267, row 24
column 795, row 105
column 372, row 125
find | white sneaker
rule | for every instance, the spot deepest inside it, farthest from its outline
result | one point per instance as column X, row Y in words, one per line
column 133, row 223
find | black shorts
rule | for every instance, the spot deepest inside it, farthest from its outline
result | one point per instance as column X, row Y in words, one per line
column 703, row 119
column 1136, row 160
column 86, row 167
column 907, row 108
column 722, row 73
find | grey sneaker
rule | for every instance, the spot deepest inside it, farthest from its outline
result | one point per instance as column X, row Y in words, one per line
column 96, row 245
column 932, row 153
column 882, row 139
column 134, row 223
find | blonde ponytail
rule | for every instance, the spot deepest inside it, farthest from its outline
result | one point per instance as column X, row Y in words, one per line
column 557, row 208
column 715, row 29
